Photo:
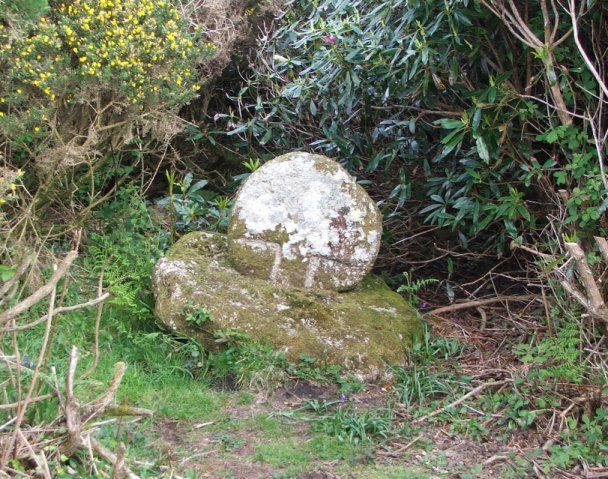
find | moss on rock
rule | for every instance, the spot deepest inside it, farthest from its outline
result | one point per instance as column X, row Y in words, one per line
column 362, row 330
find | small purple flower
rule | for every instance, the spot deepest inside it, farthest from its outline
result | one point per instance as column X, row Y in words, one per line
column 342, row 398
column 329, row 39
column 423, row 305
column 26, row 362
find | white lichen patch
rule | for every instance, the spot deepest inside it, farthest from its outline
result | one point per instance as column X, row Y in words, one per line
column 179, row 270
column 391, row 311
column 310, row 211
column 332, row 342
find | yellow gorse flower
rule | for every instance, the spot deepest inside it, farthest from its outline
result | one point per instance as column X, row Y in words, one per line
column 134, row 47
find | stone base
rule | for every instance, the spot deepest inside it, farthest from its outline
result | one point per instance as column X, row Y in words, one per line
column 362, row 330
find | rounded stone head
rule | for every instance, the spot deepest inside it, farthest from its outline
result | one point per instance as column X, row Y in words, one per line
column 301, row 220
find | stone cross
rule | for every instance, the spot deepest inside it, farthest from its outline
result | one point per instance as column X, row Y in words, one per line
column 301, row 220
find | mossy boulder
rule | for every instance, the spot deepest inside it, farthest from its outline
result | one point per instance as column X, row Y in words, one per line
column 362, row 330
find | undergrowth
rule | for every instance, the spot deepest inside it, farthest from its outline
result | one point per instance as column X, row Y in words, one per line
column 180, row 380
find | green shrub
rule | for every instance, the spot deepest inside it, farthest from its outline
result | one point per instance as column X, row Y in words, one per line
column 125, row 250
column 433, row 95
column 556, row 358
column 194, row 207
column 585, row 438
column 26, row 8
column 88, row 88
column 356, row 427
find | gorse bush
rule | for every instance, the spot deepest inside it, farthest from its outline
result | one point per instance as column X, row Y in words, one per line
column 10, row 182
column 89, row 88
column 142, row 52
column 125, row 54
column 442, row 99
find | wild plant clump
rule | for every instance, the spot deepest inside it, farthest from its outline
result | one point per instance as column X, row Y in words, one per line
column 91, row 91
column 143, row 52
column 110, row 62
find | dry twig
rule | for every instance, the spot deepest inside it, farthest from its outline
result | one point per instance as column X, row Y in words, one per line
column 480, row 302
column 472, row 393
column 42, row 292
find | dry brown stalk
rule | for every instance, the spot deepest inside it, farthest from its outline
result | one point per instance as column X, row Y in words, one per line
column 42, row 464
column 42, row 292
column 104, row 401
column 23, row 442
column 71, row 410
column 110, row 457
column 472, row 393
column 8, row 285
column 123, row 410
column 96, row 329
column 26, row 401
column 480, row 302
column 120, row 462
column 15, row 405
column 63, row 309
column 603, row 246
column 75, row 418
column 509, row 14
column 592, row 298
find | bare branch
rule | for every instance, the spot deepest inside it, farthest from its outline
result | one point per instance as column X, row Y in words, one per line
column 19, row 271
column 588, row 62
column 63, row 309
column 41, row 293
column 481, row 302
column 594, row 302
column 603, row 246
column 472, row 393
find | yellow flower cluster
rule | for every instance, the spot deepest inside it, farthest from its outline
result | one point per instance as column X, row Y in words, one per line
column 141, row 50
column 34, row 60
column 132, row 40
column 9, row 185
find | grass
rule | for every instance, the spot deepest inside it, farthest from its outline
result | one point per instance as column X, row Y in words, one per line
column 282, row 453
column 162, row 376
column 390, row 472
column 221, row 405
column 267, row 426
column 169, row 376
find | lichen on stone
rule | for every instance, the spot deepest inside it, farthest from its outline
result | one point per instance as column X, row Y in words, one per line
column 302, row 220
column 362, row 330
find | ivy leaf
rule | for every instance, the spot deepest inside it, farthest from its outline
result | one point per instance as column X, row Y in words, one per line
column 560, row 177
column 551, row 136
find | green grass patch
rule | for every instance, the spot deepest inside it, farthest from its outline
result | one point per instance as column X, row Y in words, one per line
column 283, row 453
column 389, row 472
column 329, row 448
